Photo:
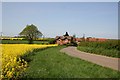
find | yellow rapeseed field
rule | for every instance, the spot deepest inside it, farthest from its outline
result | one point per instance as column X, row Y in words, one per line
column 12, row 64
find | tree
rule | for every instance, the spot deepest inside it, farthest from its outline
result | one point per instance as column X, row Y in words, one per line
column 31, row 33
column 74, row 36
column 66, row 34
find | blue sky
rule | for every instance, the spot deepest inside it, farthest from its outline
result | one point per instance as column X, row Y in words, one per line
column 94, row 19
column 59, row 0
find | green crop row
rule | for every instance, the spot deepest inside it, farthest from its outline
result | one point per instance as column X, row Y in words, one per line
column 108, row 48
column 110, row 44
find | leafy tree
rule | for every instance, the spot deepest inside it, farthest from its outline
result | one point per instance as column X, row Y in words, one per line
column 74, row 36
column 31, row 33
column 66, row 34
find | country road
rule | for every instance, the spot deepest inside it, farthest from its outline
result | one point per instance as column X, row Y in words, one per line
column 104, row 61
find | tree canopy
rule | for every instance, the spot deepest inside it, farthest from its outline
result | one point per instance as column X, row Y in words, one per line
column 31, row 32
column 66, row 34
column 74, row 36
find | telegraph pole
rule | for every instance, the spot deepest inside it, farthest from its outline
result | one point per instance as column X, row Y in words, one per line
column 83, row 37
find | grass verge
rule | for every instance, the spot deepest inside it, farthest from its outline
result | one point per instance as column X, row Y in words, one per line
column 109, row 48
column 100, row 51
column 50, row 63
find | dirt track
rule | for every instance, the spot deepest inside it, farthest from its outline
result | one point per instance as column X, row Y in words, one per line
column 112, row 63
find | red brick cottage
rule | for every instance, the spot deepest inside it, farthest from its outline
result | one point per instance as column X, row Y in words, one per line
column 61, row 40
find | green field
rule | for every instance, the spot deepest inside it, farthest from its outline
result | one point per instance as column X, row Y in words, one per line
column 108, row 48
column 51, row 63
column 22, row 42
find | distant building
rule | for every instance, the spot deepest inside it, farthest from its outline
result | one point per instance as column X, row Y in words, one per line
column 95, row 39
column 101, row 39
column 61, row 40
column 65, row 39
column 78, row 39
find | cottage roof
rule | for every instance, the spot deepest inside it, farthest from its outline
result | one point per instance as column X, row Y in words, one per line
column 63, row 37
column 69, row 37
column 56, row 37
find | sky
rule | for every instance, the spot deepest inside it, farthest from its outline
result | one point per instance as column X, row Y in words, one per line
column 94, row 19
column 59, row 0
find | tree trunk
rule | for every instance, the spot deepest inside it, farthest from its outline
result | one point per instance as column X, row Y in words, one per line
column 30, row 41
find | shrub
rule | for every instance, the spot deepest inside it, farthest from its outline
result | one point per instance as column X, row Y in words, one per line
column 51, row 41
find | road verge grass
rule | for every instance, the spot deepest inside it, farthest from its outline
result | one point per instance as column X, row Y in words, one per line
column 110, row 48
column 51, row 63
column 100, row 51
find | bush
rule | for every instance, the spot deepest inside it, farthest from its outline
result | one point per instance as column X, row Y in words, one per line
column 51, row 41
column 73, row 43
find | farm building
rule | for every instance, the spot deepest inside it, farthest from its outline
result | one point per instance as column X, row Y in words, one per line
column 65, row 39
column 61, row 40
column 95, row 39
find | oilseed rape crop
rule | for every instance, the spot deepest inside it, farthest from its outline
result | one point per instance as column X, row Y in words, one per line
column 12, row 64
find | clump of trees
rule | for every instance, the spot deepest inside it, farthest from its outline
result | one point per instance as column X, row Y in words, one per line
column 66, row 34
column 31, row 32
